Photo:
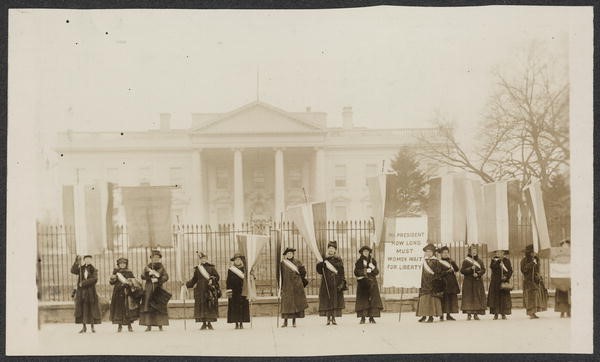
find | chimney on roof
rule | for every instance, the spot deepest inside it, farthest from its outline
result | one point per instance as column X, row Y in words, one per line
column 347, row 117
column 165, row 121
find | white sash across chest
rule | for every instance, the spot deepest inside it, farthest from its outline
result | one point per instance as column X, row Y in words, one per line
column 331, row 267
column 446, row 264
column 203, row 272
column 291, row 265
column 473, row 261
column 503, row 266
column 237, row 271
column 427, row 267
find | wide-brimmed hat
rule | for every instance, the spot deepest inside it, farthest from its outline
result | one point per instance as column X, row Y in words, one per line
column 429, row 247
column 156, row 252
column 87, row 256
column 122, row 260
column 445, row 247
column 237, row 255
column 473, row 247
column 201, row 254
column 528, row 248
column 288, row 249
column 365, row 247
column 332, row 243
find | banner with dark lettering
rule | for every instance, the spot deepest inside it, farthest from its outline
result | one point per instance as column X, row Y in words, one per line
column 404, row 240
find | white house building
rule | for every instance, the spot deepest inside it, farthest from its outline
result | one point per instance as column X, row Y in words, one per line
column 251, row 162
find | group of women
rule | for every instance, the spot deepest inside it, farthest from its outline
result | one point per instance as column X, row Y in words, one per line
column 438, row 295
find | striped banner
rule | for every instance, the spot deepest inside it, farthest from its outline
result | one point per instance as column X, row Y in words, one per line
column 533, row 195
column 474, row 212
column 495, row 196
column 377, row 191
column 447, row 209
column 302, row 217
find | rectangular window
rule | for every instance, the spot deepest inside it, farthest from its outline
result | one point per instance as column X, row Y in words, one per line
column 222, row 178
column 176, row 177
column 295, row 178
column 259, row 178
column 340, row 175
column 370, row 171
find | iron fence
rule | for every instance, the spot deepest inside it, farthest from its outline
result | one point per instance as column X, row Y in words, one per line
column 56, row 252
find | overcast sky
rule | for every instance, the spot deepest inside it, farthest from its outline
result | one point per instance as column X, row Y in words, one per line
column 100, row 70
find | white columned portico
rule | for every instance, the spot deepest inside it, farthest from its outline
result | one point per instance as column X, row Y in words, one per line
column 279, row 183
column 319, row 177
column 238, row 187
column 197, row 188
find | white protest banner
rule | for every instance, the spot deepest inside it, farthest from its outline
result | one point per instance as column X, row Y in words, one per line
column 404, row 239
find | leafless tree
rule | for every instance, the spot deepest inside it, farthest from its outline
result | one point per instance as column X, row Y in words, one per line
column 525, row 130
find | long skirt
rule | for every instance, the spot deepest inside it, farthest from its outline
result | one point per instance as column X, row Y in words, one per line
column 90, row 314
column 154, row 319
column 535, row 300
column 299, row 314
column 238, row 310
column 429, row 305
column 561, row 302
column 450, row 303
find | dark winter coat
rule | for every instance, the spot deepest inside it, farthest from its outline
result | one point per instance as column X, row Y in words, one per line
column 238, row 308
column 331, row 292
column 449, row 276
column 157, row 315
column 368, row 300
column 206, row 303
column 499, row 300
column 87, row 305
column 535, row 295
column 473, row 291
column 120, row 309
column 428, row 279
column 293, row 297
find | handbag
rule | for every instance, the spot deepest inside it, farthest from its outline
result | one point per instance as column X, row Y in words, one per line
column 506, row 285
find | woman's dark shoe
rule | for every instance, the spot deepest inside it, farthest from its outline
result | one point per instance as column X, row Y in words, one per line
column 495, row 316
column 371, row 320
column 476, row 317
column 504, row 316
column 441, row 318
column 362, row 320
column 83, row 330
column 119, row 329
column 160, row 328
column 148, row 329
column 333, row 321
column 449, row 317
column 203, row 326
column 241, row 325
column 284, row 323
column 210, row 326
column 533, row 316
column 430, row 319
column 129, row 327
column 468, row 317
column 92, row 328
column 422, row 319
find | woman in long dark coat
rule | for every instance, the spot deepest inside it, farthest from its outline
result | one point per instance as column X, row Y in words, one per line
column 473, row 291
column 206, row 292
column 499, row 299
column 429, row 304
column 451, row 287
column 154, row 310
column 238, row 308
column 87, row 306
column 293, row 281
column 535, row 295
column 120, row 312
column 333, row 285
column 368, row 300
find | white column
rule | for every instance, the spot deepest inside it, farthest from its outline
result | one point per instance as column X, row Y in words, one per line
column 319, row 177
column 279, row 184
column 238, row 187
column 197, row 189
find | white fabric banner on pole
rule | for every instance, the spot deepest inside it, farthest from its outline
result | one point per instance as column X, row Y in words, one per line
column 377, row 192
column 302, row 217
column 404, row 240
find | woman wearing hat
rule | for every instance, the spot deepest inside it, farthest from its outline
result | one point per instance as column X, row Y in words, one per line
column 535, row 295
column 562, row 297
column 154, row 310
column 206, row 292
column 238, row 308
column 429, row 304
column 120, row 313
column 293, row 281
column 333, row 284
column 368, row 300
column 473, row 291
column 499, row 299
column 87, row 307
column 451, row 288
